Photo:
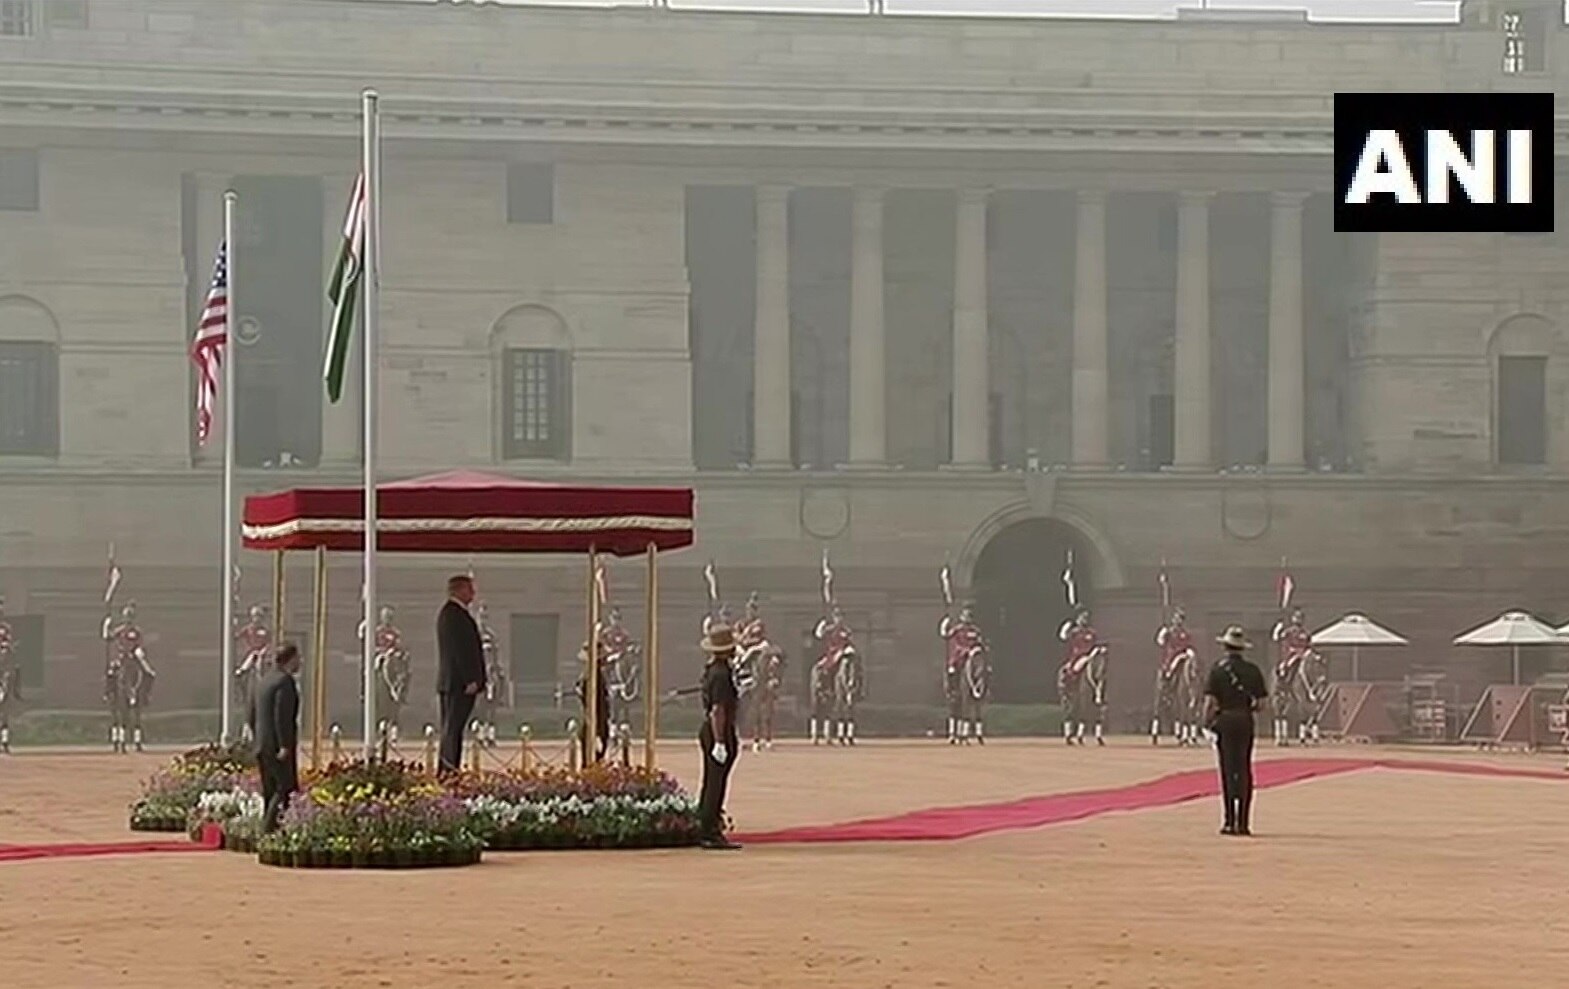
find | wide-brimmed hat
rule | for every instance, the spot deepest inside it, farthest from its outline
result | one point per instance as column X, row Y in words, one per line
column 1235, row 638
column 720, row 638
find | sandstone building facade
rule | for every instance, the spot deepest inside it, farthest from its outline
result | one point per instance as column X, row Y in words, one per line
column 912, row 290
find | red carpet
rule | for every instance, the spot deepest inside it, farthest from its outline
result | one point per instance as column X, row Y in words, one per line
column 212, row 840
column 951, row 823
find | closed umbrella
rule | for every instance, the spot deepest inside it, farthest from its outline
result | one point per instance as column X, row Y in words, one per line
column 1357, row 630
column 1513, row 629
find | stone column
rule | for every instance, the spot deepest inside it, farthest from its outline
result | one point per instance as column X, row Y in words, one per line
column 1286, row 371
column 771, row 330
column 971, row 388
column 868, row 369
column 1192, row 370
column 1090, row 372
column 342, row 429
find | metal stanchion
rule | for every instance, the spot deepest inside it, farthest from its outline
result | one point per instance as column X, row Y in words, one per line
column 525, row 757
column 430, row 749
column 337, row 744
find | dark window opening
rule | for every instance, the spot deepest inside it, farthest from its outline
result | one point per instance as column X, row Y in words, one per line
column 19, row 180
column 29, row 399
column 1522, row 411
column 531, row 192
column 535, row 401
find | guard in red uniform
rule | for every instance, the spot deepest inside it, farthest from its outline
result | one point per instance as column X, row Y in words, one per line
column 1293, row 641
column 834, row 634
column 254, row 638
column 1176, row 685
column 128, row 680
column 10, row 679
column 963, row 637
column 1083, row 644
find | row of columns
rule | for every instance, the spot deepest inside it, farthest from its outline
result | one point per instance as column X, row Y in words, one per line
column 971, row 371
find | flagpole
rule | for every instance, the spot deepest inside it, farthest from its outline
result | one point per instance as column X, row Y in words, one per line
column 230, row 347
column 371, row 169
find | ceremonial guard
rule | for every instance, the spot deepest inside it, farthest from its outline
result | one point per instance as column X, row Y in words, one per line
column 618, row 654
column 128, row 680
column 392, row 667
column 963, row 638
column 758, row 674
column 1293, row 642
column 10, row 679
column 602, row 706
column 254, row 638
column 1080, row 679
column 835, row 637
column 495, row 678
column 1177, row 682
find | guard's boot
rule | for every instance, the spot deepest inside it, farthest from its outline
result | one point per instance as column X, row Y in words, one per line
column 5, row 739
column 1155, row 732
column 980, row 735
column 1100, row 736
column 137, row 738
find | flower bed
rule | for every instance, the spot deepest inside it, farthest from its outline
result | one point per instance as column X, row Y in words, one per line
column 600, row 807
column 378, row 815
column 171, row 794
column 237, row 813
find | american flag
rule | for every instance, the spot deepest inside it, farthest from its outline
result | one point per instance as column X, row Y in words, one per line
column 601, row 584
column 1165, row 588
column 114, row 578
column 207, row 348
column 1068, row 582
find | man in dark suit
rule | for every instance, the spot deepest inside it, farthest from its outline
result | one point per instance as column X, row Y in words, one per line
column 460, row 674
column 275, row 723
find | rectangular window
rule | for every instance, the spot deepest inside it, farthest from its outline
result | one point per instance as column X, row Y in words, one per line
column 29, row 411
column 16, row 18
column 536, row 402
column 68, row 14
column 534, row 640
column 28, row 633
column 1162, row 432
column 1522, row 411
column 18, row 179
column 531, row 192
column 1525, row 41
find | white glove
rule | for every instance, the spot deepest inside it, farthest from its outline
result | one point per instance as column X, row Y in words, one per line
column 719, row 752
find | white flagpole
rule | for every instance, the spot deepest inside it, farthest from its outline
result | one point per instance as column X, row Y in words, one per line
column 230, row 351
column 371, row 167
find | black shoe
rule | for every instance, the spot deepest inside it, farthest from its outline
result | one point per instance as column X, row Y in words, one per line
column 718, row 844
column 1245, row 831
column 1229, row 829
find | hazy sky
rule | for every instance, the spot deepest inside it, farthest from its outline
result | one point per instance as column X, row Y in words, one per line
column 1439, row 10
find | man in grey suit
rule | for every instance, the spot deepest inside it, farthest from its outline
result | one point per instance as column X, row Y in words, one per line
column 276, row 727
column 460, row 673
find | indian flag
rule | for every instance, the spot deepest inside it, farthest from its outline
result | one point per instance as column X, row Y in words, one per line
column 345, row 289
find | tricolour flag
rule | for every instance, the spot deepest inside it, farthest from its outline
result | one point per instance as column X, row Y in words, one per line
column 210, row 343
column 1285, row 586
column 712, row 579
column 344, row 289
column 828, row 580
column 1067, row 582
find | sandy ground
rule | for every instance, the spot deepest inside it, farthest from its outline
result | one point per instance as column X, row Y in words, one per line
column 1382, row 879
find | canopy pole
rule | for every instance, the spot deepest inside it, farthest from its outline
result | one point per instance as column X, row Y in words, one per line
column 277, row 597
column 319, row 659
column 651, row 665
column 1515, row 656
column 591, row 675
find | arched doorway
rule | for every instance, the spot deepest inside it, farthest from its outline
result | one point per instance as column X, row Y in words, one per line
column 1020, row 602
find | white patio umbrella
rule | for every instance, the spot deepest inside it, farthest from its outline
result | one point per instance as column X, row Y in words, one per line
column 1357, row 630
column 1513, row 629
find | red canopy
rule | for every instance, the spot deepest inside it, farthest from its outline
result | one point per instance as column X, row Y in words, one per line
column 470, row 512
